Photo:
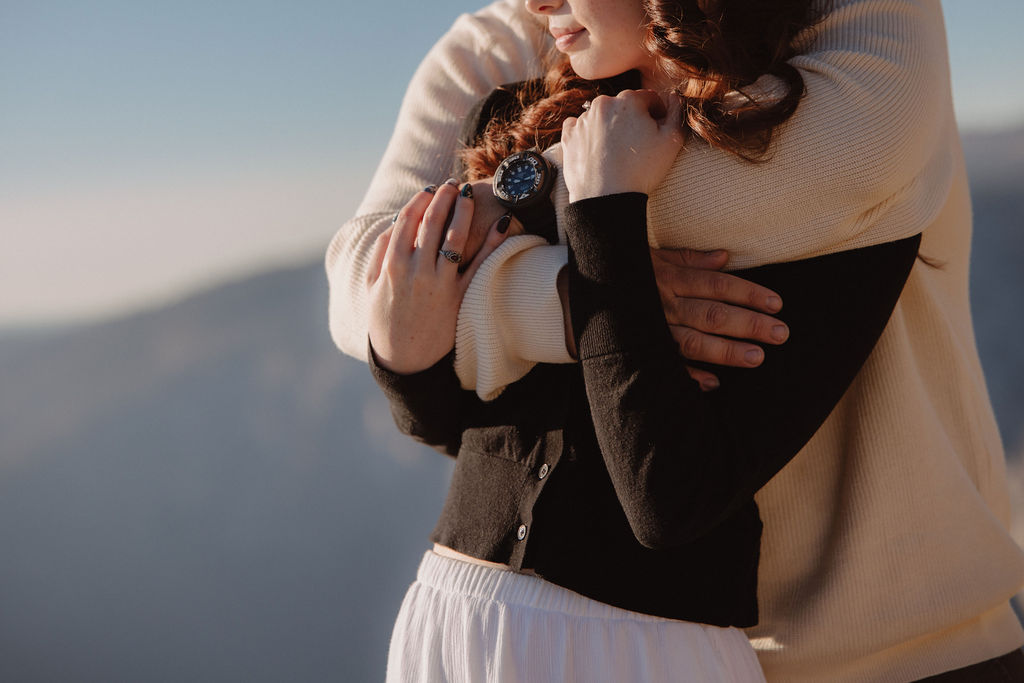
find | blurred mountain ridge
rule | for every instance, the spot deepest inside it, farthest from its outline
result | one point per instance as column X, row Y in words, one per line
column 211, row 491
column 994, row 157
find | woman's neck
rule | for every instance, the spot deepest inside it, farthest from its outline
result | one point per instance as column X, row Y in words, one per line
column 656, row 80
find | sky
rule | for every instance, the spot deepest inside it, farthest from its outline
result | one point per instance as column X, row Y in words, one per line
column 148, row 150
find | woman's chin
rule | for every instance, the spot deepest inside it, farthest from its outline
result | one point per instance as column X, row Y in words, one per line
column 591, row 71
column 587, row 71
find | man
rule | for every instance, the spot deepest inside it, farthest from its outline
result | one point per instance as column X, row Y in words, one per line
column 886, row 555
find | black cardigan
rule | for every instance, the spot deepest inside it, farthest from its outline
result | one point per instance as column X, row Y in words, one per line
column 617, row 477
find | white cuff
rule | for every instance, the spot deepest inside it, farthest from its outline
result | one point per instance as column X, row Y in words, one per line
column 511, row 316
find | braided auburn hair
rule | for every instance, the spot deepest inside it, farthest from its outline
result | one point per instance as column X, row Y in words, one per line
column 708, row 48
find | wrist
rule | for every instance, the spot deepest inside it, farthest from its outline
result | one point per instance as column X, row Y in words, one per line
column 384, row 357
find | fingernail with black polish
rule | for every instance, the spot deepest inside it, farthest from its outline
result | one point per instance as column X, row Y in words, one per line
column 467, row 191
column 394, row 219
column 503, row 223
column 430, row 188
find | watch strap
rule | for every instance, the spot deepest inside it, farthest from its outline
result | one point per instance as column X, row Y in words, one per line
column 539, row 219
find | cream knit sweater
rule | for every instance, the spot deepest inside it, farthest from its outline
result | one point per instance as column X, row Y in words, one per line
column 886, row 554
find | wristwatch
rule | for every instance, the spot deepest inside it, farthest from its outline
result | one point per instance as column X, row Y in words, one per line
column 522, row 184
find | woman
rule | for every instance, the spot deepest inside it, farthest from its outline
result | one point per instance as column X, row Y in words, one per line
column 568, row 447
column 607, row 444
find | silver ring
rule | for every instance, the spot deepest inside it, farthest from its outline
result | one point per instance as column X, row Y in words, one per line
column 453, row 256
column 586, row 106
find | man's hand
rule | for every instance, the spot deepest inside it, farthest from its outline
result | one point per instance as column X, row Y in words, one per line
column 710, row 312
column 713, row 316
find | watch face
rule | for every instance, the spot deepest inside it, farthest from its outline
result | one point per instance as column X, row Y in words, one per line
column 520, row 178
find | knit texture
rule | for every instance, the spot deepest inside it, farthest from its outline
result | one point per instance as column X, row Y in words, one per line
column 886, row 555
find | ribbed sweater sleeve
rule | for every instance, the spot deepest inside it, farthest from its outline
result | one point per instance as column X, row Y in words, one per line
column 864, row 160
column 511, row 316
column 682, row 460
column 498, row 44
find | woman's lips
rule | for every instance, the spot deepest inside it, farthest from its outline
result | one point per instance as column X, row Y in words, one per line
column 565, row 40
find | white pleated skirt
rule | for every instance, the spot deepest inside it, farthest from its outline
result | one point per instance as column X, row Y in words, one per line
column 462, row 622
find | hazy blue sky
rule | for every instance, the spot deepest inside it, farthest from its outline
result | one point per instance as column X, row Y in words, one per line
column 146, row 149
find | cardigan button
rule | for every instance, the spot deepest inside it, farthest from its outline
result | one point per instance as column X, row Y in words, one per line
column 544, row 469
column 521, row 534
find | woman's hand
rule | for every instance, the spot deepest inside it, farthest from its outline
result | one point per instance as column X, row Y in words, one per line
column 486, row 212
column 625, row 143
column 415, row 291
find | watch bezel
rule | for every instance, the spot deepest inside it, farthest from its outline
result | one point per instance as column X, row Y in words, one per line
column 542, row 182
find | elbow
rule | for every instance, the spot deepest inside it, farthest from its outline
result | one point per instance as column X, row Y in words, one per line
column 663, row 530
column 902, row 150
column 681, row 517
column 341, row 335
column 896, row 109
column 449, row 449
column 345, row 264
column 346, row 323
column 664, row 537
column 444, row 440
column 900, row 142
column 441, row 444
column 655, row 539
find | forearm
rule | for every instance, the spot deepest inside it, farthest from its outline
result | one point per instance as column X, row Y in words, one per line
column 495, row 45
column 511, row 316
column 682, row 460
column 863, row 161
column 863, row 139
column 425, row 405
column 867, row 157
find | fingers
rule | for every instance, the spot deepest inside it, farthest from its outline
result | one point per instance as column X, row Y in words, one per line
column 642, row 100
column 406, row 226
column 695, row 282
column 692, row 258
column 715, row 317
column 647, row 100
column 497, row 234
column 707, row 348
column 457, row 234
column 515, row 227
column 380, row 246
column 706, row 380
column 673, row 122
column 431, row 229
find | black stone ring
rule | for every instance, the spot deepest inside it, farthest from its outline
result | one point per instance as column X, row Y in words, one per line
column 453, row 256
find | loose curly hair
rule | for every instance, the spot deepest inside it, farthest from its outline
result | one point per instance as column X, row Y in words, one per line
column 711, row 49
